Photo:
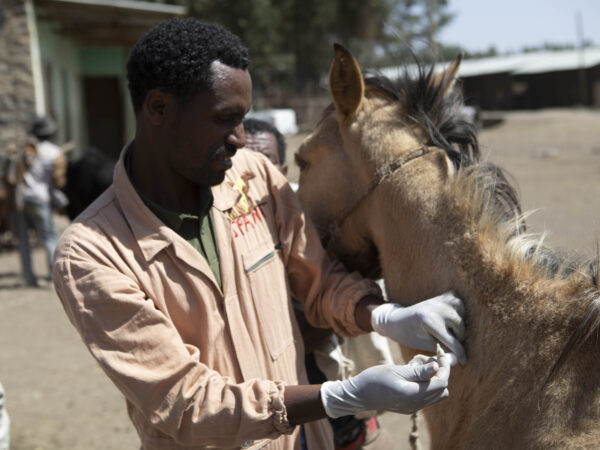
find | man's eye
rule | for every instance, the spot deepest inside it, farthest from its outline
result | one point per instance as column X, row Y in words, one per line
column 232, row 120
column 301, row 163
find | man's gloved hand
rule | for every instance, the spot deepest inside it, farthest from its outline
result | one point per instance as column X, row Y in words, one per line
column 400, row 389
column 423, row 324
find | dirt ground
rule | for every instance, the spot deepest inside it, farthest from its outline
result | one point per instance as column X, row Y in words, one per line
column 57, row 396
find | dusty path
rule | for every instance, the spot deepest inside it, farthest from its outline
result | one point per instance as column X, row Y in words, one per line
column 57, row 396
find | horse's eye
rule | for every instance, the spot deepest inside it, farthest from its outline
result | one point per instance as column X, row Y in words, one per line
column 301, row 163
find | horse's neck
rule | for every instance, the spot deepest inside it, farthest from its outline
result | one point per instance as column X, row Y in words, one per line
column 415, row 261
column 517, row 323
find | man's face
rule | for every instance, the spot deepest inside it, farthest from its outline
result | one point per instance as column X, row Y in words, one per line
column 207, row 130
column 266, row 143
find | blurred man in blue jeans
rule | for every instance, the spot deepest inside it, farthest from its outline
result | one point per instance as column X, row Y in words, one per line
column 35, row 193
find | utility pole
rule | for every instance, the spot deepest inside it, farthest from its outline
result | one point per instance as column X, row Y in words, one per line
column 431, row 17
column 582, row 79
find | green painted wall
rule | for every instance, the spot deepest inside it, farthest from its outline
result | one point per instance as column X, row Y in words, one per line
column 64, row 64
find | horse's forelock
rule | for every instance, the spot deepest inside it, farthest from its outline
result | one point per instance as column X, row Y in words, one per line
column 429, row 106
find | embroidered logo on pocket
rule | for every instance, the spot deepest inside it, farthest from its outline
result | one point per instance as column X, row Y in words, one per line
column 243, row 204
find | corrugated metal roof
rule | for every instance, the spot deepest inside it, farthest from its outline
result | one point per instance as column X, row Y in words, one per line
column 520, row 64
column 487, row 66
column 565, row 60
column 104, row 22
column 128, row 5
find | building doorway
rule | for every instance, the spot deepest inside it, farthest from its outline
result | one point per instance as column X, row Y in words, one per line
column 104, row 114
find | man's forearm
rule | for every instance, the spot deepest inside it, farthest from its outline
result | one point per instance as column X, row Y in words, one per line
column 364, row 307
column 303, row 403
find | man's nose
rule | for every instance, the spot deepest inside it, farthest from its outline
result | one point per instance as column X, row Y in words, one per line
column 237, row 136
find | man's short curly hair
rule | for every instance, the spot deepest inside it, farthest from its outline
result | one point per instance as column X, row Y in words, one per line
column 176, row 55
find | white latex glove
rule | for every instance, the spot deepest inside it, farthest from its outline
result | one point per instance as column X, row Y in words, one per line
column 400, row 389
column 422, row 325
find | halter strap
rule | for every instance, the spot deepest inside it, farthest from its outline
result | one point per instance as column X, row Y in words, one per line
column 381, row 174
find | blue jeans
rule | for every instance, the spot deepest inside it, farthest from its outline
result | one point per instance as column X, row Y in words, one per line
column 39, row 217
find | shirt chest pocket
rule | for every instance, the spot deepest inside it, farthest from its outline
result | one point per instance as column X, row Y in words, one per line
column 268, row 283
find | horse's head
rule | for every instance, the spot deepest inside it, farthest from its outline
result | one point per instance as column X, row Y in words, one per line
column 374, row 130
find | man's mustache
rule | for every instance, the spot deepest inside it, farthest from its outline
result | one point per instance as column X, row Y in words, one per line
column 226, row 150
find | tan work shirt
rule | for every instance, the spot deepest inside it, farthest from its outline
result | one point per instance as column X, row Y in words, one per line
column 201, row 366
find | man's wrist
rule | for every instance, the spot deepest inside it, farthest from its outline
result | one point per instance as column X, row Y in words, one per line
column 363, row 310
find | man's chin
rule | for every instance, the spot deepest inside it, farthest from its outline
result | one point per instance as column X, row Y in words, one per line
column 213, row 179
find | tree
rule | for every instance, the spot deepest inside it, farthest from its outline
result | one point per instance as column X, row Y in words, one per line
column 290, row 41
column 412, row 28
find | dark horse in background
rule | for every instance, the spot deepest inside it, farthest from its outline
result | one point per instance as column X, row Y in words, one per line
column 87, row 177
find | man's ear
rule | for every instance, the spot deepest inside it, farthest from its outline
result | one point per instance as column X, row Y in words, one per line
column 158, row 105
column 284, row 169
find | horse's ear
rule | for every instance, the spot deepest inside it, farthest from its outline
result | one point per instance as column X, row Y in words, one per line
column 345, row 81
column 447, row 78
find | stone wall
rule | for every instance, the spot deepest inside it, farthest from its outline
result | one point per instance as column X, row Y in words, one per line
column 17, row 96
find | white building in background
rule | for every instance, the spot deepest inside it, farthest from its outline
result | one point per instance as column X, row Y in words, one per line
column 66, row 59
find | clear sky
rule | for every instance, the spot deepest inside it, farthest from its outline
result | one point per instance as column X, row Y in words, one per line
column 509, row 25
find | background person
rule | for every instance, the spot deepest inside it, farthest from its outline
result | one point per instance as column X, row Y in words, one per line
column 38, row 182
column 178, row 277
column 265, row 138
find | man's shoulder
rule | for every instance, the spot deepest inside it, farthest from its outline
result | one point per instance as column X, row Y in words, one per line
column 249, row 161
column 248, row 164
column 248, row 158
column 97, row 219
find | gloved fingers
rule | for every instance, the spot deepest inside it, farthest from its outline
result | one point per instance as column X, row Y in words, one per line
column 451, row 299
column 420, row 373
column 449, row 341
column 456, row 324
column 443, row 373
column 453, row 312
column 418, row 360
column 452, row 358
column 433, row 397
column 437, row 387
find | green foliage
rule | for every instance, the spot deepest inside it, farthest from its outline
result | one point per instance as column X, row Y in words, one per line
column 412, row 29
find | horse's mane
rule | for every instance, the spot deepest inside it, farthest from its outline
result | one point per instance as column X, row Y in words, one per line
column 432, row 108
column 492, row 197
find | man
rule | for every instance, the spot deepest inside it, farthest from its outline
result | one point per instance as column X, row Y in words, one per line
column 265, row 138
column 36, row 191
column 178, row 277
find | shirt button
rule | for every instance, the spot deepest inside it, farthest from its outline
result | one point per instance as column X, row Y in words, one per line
column 247, row 444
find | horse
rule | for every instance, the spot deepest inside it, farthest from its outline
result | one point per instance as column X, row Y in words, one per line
column 392, row 179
